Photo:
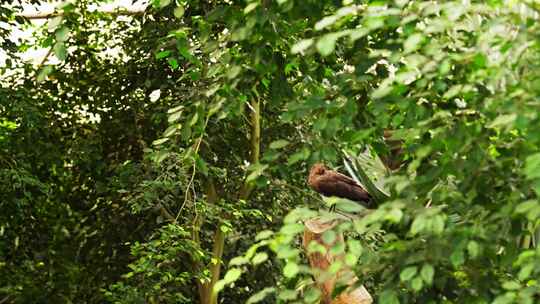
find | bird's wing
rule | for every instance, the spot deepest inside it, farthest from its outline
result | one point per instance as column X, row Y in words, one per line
column 344, row 178
column 333, row 185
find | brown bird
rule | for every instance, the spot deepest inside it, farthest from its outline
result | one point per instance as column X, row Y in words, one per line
column 331, row 183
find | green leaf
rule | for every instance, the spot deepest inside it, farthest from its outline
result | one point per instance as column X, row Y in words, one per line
column 355, row 247
column 287, row 294
column 259, row 258
column 290, row 270
column 408, row 273
column 278, row 144
column 292, row 229
column 473, row 248
column 413, row 43
column 161, row 156
column 418, row 225
column 417, row 284
column 201, row 165
column 325, row 22
column 532, row 166
column 256, row 171
column 62, row 33
column 503, row 121
column 301, row 46
column 53, row 23
column 175, row 109
column 394, row 215
column 174, row 116
column 261, row 295
column 526, row 206
column 160, row 3
column 427, row 273
column 264, row 235
column 312, row 295
column 219, row 286
column 173, row 63
column 163, row 54
column 326, row 44
column 329, row 237
column 298, row 156
column 346, row 205
column 511, row 285
column 238, row 261
column 437, row 224
column 60, row 51
column 457, row 258
column 232, row 275
column 179, row 11
column 388, row 297
column 171, row 130
column 44, row 72
column 160, row 141
column 250, row 7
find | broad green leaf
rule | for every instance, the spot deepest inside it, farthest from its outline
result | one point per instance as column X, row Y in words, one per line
column 259, row 258
column 301, row 46
column 418, row 225
column 511, row 285
column 457, row 257
column 413, row 42
column 473, row 249
column 238, row 261
column 232, row 275
column 160, row 141
column 312, row 295
column 163, row 54
column 261, row 295
column 355, row 247
column 264, row 235
column 60, row 51
column 532, row 166
column 427, row 273
column 251, row 6
column 388, row 297
column 278, row 144
column 527, row 206
column 44, row 72
column 417, row 284
column 329, row 237
column 503, row 121
column 256, row 171
column 292, row 229
column 61, row 34
column 348, row 205
column 325, row 22
column 408, row 273
column 179, row 11
column 287, row 294
column 173, row 63
column 326, row 44
column 298, row 156
column 54, row 22
column 290, row 270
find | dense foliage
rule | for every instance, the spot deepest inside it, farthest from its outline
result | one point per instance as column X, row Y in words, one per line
column 161, row 156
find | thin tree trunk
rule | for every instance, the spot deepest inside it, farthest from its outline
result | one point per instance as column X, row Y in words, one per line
column 209, row 296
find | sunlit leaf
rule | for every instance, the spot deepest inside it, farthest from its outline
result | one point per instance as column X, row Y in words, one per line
column 408, row 273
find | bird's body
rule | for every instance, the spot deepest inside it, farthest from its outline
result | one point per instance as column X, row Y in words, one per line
column 331, row 183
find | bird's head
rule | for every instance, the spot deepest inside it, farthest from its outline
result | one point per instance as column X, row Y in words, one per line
column 317, row 169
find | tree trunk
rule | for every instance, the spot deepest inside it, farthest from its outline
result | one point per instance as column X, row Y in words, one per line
column 313, row 231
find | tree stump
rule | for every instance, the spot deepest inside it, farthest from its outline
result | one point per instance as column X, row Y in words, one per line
column 314, row 228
